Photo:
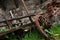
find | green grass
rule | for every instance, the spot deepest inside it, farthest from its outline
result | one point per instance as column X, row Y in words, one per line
column 55, row 30
column 30, row 35
column 34, row 35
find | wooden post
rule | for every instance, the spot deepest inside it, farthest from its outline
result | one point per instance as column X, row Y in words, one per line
column 26, row 10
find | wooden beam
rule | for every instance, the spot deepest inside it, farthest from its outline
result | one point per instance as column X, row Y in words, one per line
column 14, row 29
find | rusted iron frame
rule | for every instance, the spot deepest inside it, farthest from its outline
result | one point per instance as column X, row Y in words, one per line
column 44, row 4
column 49, row 2
column 36, row 22
column 14, row 19
column 23, row 17
column 3, row 21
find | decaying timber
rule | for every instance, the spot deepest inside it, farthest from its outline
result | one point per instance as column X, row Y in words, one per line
column 20, row 13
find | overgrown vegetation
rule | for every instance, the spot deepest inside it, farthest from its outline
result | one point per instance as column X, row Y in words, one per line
column 33, row 34
column 30, row 35
column 55, row 30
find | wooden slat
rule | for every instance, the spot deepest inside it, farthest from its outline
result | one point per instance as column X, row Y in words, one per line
column 12, row 30
column 16, row 18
